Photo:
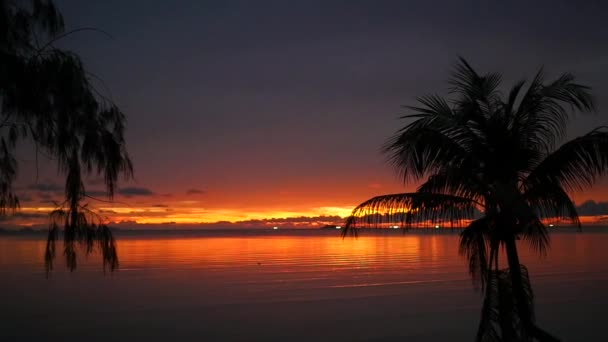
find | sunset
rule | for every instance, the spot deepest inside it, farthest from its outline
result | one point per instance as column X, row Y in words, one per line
column 231, row 119
column 303, row 170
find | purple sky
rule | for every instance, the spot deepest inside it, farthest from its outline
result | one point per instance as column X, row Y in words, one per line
column 285, row 104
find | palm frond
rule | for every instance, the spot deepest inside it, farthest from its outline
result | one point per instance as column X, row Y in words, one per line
column 550, row 201
column 565, row 89
column 433, row 140
column 532, row 118
column 543, row 113
column 509, row 106
column 463, row 181
column 475, row 247
column 409, row 208
column 536, row 235
column 575, row 165
column 477, row 94
column 466, row 82
column 464, row 78
column 433, row 106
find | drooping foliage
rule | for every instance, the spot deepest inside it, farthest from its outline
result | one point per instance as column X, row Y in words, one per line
column 479, row 149
column 47, row 99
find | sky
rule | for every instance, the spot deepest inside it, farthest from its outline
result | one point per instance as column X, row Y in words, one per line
column 251, row 110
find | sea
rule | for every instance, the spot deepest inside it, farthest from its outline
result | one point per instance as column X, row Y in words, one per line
column 288, row 285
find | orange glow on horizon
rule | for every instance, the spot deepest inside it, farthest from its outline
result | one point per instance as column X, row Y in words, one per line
column 199, row 215
column 193, row 215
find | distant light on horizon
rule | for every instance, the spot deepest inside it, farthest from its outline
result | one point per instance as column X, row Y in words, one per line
column 338, row 227
column 275, row 228
column 437, row 226
column 551, row 225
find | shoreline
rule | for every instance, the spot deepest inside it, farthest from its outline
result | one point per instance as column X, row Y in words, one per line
column 225, row 232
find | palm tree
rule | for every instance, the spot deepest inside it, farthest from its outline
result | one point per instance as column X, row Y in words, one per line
column 47, row 99
column 481, row 151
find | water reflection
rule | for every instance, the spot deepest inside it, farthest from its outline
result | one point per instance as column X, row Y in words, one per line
column 83, row 241
column 396, row 286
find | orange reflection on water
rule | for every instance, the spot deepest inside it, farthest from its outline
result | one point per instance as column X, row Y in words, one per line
column 281, row 249
column 322, row 259
column 227, row 251
column 267, row 284
column 292, row 260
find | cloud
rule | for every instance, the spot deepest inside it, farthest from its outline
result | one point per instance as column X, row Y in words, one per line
column 25, row 198
column 96, row 193
column 299, row 220
column 50, row 202
column 46, row 187
column 160, row 206
column 23, row 215
column 107, row 211
column 592, row 208
column 290, row 222
column 195, row 192
column 135, row 191
column 44, row 197
column 96, row 181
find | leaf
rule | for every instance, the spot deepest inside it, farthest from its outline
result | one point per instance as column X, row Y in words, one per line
column 575, row 165
column 409, row 208
column 474, row 246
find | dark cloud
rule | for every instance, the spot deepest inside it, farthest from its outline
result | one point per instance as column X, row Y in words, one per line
column 50, row 202
column 290, row 222
column 45, row 197
column 47, row 192
column 46, row 187
column 195, row 192
column 107, row 211
column 96, row 193
column 23, row 215
column 135, row 191
column 295, row 220
column 592, row 208
column 96, row 181
column 25, row 198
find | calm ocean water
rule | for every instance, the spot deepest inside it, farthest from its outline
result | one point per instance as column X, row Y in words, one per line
column 288, row 286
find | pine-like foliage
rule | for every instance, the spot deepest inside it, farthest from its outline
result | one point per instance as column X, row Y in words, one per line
column 47, row 98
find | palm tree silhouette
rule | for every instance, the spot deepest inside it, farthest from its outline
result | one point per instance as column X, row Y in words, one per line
column 48, row 99
column 481, row 151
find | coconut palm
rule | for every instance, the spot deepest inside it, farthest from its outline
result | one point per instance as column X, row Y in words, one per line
column 47, row 99
column 481, row 151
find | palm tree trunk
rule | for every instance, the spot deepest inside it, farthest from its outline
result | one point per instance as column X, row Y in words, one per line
column 525, row 312
column 515, row 270
column 516, row 282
